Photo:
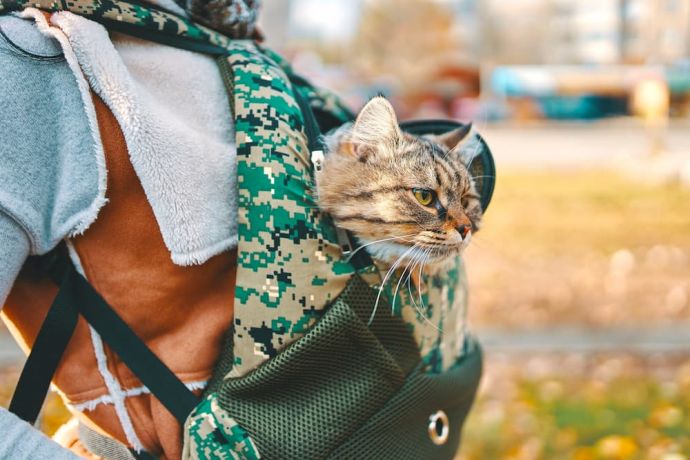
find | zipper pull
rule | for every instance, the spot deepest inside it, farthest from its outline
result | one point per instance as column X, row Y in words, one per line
column 317, row 159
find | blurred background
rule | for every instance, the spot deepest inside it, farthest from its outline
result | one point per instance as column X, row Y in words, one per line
column 580, row 279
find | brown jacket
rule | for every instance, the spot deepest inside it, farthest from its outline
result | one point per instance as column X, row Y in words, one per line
column 182, row 313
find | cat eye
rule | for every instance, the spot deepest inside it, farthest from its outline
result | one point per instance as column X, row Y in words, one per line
column 424, row 196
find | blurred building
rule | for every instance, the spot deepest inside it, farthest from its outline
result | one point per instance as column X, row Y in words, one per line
column 437, row 57
column 655, row 31
column 619, row 31
column 275, row 22
column 515, row 32
column 586, row 31
column 310, row 21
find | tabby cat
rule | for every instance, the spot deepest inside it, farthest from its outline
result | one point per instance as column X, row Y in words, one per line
column 405, row 197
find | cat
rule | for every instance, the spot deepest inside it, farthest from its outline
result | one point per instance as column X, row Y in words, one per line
column 404, row 197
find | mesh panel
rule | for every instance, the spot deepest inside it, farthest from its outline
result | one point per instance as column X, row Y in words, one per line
column 346, row 390
column 399, row 429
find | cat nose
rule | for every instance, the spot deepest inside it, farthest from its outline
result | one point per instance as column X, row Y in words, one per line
column 463, row 230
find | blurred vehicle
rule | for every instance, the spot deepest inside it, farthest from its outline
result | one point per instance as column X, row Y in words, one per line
column 585, row 92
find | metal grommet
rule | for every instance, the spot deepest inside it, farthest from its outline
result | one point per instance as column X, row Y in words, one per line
column 438, row 428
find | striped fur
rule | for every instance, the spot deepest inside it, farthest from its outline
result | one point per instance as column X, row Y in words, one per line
column 369, row 175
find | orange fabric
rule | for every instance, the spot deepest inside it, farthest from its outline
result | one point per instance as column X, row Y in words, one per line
column 182, row 313
column 68, row 436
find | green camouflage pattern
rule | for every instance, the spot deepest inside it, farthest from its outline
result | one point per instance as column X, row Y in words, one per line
column 207, row 425
column 289, row 266
column 289, row 261
column 319, row 98
column 436, row 315
column 441, row 308
column 113, row 12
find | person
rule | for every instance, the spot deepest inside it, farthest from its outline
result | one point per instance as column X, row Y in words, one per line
column 124, row 149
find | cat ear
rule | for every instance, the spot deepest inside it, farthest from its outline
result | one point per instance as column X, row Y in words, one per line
column 375, row 129
column 454, row 139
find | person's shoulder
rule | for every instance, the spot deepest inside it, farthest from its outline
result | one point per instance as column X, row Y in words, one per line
column 20, row 38
column 32, row 64
column 50, row 154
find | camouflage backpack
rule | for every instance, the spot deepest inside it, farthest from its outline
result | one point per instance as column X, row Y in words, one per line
column 305, row 372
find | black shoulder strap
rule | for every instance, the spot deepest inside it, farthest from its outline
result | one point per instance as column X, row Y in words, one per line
column 46, row 353
column 76, row 296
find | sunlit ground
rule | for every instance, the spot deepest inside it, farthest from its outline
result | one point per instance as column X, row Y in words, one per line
column 592, row 251
column 570, row 406
column 54, row 413
column 589, row 248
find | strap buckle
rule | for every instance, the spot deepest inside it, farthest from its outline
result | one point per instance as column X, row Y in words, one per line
column 345, row 242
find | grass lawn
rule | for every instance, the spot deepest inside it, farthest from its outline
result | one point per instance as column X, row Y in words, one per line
column 589, row 248
column 563, row 407
column 553, row 212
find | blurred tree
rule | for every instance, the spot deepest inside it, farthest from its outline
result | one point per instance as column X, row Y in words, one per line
column 515, row 32
column 407, row 41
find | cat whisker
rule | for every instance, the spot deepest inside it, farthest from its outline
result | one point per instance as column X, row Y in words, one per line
column 397, row 288
column 421, row 268
column 420, row 310
column 428, row 321
column 374, row 242
column 385, row 279
column 408, row 281
column 390, row 271
column 402, row 276
column 418, row 260
column 478, row 242
column 476, row 148
column 474, row 243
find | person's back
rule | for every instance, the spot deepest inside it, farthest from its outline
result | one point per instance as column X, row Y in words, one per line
column 125, row 149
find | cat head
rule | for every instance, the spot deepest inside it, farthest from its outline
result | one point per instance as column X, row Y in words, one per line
column 411, row 195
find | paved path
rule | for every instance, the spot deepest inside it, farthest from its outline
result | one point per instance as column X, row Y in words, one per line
column 576, row 145
column 671, row 338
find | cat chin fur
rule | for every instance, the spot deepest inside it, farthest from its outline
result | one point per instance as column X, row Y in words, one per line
column 390, row 252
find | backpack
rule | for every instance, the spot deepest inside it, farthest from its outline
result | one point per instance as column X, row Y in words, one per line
column 306, row 370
